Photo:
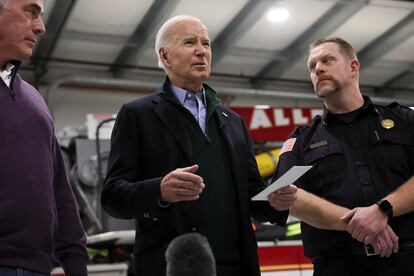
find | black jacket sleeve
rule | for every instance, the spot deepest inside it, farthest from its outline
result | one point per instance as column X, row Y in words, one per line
column 126, row 194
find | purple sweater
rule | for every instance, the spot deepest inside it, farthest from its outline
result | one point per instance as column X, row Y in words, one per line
column 38, row 215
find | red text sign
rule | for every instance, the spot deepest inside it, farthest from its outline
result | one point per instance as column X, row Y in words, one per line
column 275, row 124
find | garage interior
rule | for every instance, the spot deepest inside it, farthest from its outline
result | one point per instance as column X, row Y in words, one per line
column 98, row 54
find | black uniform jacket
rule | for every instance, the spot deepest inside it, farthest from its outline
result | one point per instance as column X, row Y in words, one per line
column 354, row 164
column 150, row 140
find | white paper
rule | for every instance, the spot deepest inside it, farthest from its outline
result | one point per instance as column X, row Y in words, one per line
column 288, row 178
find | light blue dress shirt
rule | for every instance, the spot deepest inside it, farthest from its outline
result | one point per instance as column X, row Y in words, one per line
column 194, row 102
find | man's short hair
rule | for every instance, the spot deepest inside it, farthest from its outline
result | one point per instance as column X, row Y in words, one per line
column 344, row 46
column 163, row 37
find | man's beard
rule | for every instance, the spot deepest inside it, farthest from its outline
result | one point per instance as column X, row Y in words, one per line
column 327, row 90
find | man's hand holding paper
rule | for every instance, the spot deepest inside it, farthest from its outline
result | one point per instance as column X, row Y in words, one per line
column 283, row 198
column 282, row 193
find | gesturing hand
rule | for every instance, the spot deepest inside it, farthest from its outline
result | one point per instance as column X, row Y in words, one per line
column 182, row 185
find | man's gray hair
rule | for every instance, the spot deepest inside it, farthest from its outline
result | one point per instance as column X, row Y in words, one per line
column 163, row 37
column 4, row 3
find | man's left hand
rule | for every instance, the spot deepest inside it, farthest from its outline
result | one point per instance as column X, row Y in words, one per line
column 283, row 198
column 386, row 242
column 364, row 223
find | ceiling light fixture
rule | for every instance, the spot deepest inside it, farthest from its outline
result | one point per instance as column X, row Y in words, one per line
column 278, row 14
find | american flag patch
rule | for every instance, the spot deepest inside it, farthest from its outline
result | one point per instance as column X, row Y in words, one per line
column 288, row 145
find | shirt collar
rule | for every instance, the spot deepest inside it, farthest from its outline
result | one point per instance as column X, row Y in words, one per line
column 7, row 74
column 182, row 94
column 368, row 106
column 9, row 67
column 8, row 70
column 14, row 66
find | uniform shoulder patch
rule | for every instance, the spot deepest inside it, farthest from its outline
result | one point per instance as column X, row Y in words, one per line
column 288, row 145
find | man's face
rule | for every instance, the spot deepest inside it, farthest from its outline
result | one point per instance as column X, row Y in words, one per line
column 20, row 24
column 330, row 71
column 188, row 57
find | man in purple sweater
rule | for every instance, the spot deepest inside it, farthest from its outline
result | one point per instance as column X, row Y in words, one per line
column 39, row 220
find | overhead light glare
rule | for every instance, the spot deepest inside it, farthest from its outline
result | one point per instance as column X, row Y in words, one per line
column 278, row 14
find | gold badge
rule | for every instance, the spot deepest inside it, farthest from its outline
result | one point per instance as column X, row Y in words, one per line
column 387, row 123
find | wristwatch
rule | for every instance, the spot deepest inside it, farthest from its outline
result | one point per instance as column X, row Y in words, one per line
column 386, row 207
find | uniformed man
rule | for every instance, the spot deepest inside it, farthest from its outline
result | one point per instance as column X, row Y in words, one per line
column 362, row 180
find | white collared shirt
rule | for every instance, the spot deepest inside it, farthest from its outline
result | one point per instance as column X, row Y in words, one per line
column 6, row 74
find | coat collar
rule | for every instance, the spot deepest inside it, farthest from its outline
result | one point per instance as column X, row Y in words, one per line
column 166, row 92
column 328, row 117
column 166, row 107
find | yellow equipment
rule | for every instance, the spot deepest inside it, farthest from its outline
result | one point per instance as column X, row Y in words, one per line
column 267, row 162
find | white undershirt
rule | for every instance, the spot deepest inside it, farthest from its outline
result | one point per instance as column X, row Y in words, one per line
column 6, row 74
